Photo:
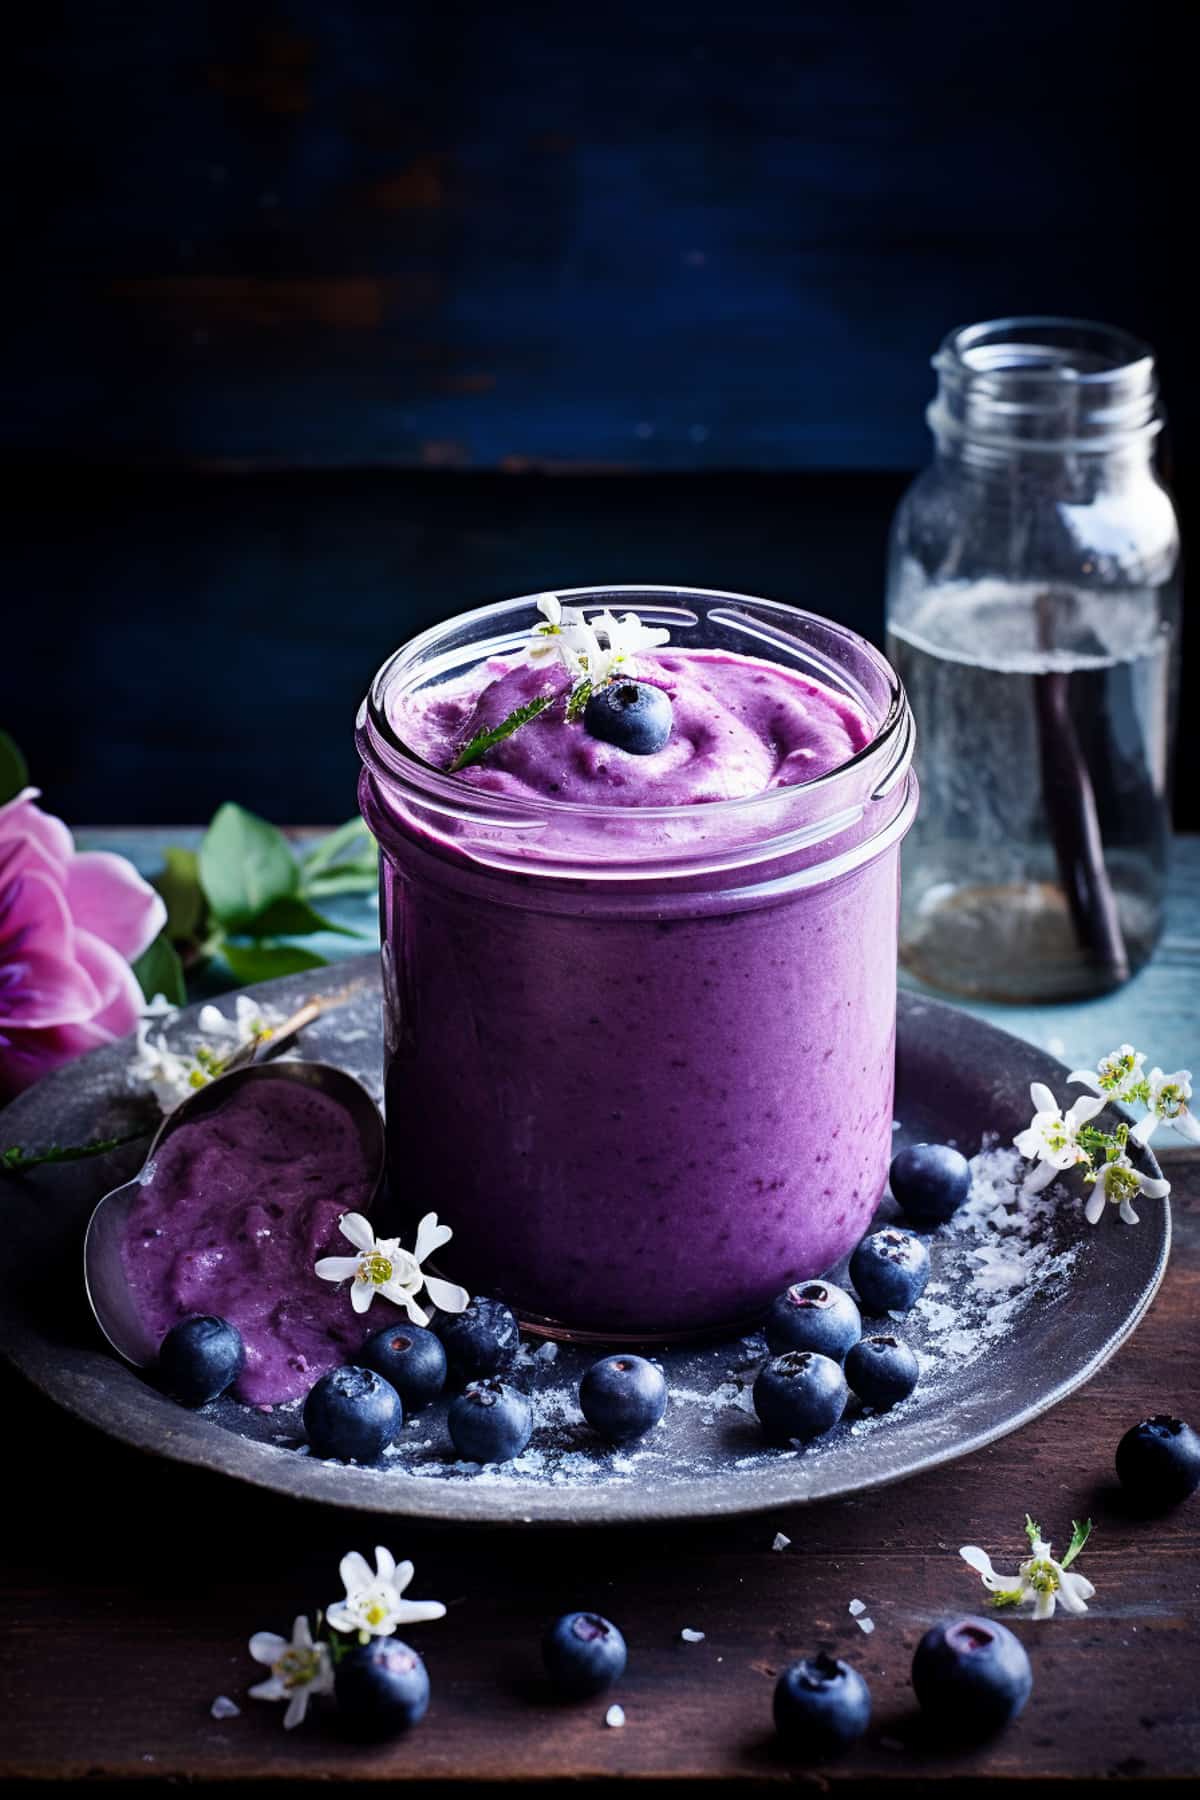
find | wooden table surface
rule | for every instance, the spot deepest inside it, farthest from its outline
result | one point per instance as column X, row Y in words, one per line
column 130, row 1586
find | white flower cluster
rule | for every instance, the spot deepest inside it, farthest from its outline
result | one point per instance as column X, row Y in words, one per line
column 591, row 650
column 382, row 1266
column 173, row 1075
column 1040, row 1579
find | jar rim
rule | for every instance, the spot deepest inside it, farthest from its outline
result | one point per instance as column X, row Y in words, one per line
column 978, row 349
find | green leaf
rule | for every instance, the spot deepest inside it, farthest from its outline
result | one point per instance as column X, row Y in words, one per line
column 344, row 879
column 14, row 774
column 354, row 837
column 245, row 864
column 1079, row 1537
column 179, row 884
column 264, row 962
column 484, row 740
column 16, row 1158
column 294, row 917
column 580, row 694
column 1032, row 1531
column 159, row 971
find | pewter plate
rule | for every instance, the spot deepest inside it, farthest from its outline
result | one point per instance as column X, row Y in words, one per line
column 1023, row 1307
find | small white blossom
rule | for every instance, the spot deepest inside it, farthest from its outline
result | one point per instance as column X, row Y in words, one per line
column 576, row 640
column 1052, row 1138
column 624, row 637
column 1040, row 1578
column 1118, row 1075
column 1167, row 1098
column 1117, row 1183
column 174, row 1075
column 383, row 1266
column 374, row 1603
column 299, row 1670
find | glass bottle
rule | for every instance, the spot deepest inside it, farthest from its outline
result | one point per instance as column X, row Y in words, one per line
column 1033, row 616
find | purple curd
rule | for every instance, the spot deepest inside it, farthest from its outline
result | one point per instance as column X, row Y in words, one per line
column 238, row 1207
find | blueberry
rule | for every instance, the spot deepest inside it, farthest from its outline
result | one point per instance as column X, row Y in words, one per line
column 889, row 1270
column 813, row 1315
column 583, row 1654
column 412, row 1359
column 623, row 1397
column 483, row 1340
column 490, row 1422
column 1158, row 1461
column 199, row 1358
column 630, row 714
column 799, row 1395
column 821, row 1705
column 971, row 1676
column 353, row 1414
column 381, row 1689
column 930, row 1182
column 882, row 1371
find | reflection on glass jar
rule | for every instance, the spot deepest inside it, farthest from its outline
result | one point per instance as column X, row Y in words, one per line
column 1033, row 601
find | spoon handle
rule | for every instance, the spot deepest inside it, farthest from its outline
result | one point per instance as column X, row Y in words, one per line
column 278, row 1038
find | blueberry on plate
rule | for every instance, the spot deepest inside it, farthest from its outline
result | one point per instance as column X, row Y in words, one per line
column 889, row 1270
column 199, row 1358
column 623, row 1397
column 930, row 1182
column 381, row 1689
column 821, row 1705
column 971, row 1676
column 353, row 1414
column 813, row 1315
column 882, row 1371
column 483, row 1340
column 490, row 1422
column 1158, row 1461
column 583, row 1654
column 799, row 1395
column 633, row 715
column 412, row 1359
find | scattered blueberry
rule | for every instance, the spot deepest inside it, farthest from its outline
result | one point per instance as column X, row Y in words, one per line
column 199, row 1358
column 971, row 1676
column 813, row 1315
column 381, row 1688
column 882, row 1371
column 490, row 1422
column 623, row 1397
column 799, row 1395
column 630, row 714
column 889, row 1270
column 412, row 1359
column 930, row 1182
column 583, row 1654
column 821, row 1705
column 353, row 1414
column 483, row 1340
column 1158, row 1461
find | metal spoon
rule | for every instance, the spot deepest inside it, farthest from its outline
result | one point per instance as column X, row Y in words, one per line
column 103, row 1269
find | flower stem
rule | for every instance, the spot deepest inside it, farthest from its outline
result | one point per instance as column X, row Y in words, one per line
column 15, row 1160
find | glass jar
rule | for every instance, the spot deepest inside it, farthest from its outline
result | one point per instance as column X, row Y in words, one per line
column 1033, row 615
column 641, row 1058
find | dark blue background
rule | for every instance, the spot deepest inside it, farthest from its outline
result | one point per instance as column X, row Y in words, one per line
column 313, row 298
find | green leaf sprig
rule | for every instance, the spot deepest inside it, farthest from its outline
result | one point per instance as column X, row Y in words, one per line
column 483, row 741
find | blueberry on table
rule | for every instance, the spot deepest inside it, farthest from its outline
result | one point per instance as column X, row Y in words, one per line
column 889, row 1270
column 381, row 1689
column 799, row 1395
column 352, row 1414
column 930, row 1182
column 490, row 1422
column 412, row 1359
column 200, row 1358
column 1158, row 1461
column 623, row 1397
column 813, row 1315
column 971, row 1676
column 882, row 1371
column 483, row 1340
column 632, row 715
column 821, row 1705
column 583, row 1654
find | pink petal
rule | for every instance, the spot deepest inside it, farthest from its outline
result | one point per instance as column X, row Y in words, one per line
column 120, row 996
column 109, row 898
column 21, row 820
column 42, row 981
column 25, row 1056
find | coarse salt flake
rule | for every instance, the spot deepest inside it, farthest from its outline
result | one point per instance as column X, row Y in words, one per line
column 615, row 1716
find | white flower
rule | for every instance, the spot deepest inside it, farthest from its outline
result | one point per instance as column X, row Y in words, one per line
column 576, row 641
column 1118, row 1075
column 1039, row 1577
column 624, row 637
column 1052, row 1139
column 298, row 1670
column 374, row 1603
column 383, row 1266
column 1118, row 1183
column 173, row 1075
column 1167, row 1099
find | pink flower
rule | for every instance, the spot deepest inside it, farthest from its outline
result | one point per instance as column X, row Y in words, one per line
column 71, row 923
